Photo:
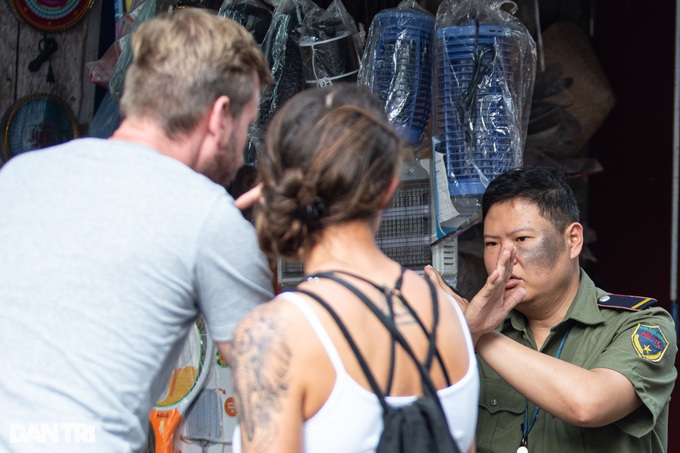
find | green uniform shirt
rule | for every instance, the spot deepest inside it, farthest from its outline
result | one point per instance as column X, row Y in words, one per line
column 600, row 338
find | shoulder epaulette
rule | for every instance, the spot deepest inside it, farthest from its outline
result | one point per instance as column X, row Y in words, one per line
column 623, row 302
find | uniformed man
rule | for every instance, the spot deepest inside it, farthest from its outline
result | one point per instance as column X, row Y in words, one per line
column 572, row 368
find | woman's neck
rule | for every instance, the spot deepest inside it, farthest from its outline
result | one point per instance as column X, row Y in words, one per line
column 350, row 247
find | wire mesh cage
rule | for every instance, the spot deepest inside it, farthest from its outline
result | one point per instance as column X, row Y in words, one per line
column 405, row 230
column 404, row 233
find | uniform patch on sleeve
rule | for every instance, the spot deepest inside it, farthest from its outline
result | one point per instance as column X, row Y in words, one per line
column 649, row 342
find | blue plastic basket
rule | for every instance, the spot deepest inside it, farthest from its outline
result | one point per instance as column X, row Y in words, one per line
column 474, row 75
column 402, row 69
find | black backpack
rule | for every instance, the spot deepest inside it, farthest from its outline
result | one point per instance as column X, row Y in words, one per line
column 421, row 426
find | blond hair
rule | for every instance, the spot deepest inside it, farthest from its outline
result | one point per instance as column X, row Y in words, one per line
column 183, row 61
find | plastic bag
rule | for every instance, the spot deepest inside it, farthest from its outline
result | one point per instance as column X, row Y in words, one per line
column 484, row 73
column 106, row 120
column 109, row 70
column 254, row 15
column 397, row 66
column 280, row 47
column 330, row 46
column 144, row 12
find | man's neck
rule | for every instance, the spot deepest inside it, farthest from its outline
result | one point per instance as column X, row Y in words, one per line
column 149, row 133
column 548, row 313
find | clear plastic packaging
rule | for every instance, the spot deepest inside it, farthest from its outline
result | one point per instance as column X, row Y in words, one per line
column 397, row 66
column 484, row 70
column 254, row 15
column 280, row 46
column 330, row 46
column 306, row 46
column 106, row 120
column 109, row 70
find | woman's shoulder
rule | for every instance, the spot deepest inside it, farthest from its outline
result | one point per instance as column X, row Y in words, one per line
column 272, row 316
column 278, row 323
column 446, row 301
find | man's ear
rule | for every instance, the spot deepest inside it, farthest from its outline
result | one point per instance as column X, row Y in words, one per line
column 574, row 234
column 387, row 196
column 220, row 120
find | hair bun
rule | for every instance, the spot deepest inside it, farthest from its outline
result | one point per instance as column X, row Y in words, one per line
column 310, row 213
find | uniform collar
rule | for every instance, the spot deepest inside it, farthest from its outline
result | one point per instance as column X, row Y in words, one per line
column 584, row 309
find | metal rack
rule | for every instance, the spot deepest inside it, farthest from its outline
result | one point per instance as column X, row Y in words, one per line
column 405, row 233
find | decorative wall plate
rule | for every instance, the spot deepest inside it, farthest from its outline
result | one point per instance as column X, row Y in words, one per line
column 51, row 15
column 36, row 121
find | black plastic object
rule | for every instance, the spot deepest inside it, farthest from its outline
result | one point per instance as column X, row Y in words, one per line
column 254, row 15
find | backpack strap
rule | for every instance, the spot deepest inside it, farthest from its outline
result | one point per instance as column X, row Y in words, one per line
column 390, row 308
column 396, row 291
column 427, row 385
column 360, row 358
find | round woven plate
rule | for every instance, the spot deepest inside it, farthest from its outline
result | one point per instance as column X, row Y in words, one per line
column 35, row 122
column 51, row 15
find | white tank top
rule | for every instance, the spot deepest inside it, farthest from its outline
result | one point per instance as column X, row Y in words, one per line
column 350, row 421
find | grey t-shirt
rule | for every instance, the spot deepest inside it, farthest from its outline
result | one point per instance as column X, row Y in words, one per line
column 108, row 253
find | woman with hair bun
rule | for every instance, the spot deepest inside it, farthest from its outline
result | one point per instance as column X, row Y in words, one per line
column 330, row 166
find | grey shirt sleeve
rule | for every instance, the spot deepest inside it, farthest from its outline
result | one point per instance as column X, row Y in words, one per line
column 232, row 273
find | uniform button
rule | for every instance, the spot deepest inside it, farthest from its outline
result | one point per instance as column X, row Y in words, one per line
column 494, row 402
column 604, row 299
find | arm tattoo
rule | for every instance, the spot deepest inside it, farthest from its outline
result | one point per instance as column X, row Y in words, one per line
column 261, row 364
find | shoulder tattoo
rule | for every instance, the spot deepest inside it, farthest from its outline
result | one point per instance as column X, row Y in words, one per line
column 261, row 365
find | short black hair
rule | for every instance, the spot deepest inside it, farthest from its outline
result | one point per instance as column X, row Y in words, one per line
column 546, row 187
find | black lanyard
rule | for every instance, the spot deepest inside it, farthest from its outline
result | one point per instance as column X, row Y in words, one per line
column 528, row 424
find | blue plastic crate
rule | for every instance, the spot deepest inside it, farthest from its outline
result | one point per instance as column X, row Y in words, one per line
column 402, row 69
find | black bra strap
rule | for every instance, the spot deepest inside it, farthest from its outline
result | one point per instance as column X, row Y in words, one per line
column 393, row 349
column 388, row 293
column 427, row 385
column 360, row 358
